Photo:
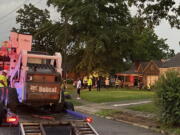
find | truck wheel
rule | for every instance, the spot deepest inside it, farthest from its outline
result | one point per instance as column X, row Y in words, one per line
column 12, row 99
column 2, row 113
column 69, row 106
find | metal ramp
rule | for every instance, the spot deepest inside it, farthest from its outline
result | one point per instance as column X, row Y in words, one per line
column 31, row 129
column 83, row 128
column 79, row 127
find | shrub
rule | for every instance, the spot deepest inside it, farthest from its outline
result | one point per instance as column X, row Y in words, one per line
column 69, row 81
column 168, row 98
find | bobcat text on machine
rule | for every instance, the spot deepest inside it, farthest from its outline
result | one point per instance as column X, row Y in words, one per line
column 34, row 81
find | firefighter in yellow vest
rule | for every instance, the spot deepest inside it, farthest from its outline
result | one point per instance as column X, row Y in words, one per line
column 89, row 83
column 3, row 79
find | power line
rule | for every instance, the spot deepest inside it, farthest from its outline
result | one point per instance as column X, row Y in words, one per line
column 5, row 16
column 1, row 18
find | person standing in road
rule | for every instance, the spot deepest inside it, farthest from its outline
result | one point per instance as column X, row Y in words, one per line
column 79, row 88
column 89, row 83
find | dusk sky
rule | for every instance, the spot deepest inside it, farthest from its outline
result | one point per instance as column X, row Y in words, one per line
column 8, row 20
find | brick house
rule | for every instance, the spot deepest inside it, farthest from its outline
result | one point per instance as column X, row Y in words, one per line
column 149, row 72
column 146, row 73
column 171, row 64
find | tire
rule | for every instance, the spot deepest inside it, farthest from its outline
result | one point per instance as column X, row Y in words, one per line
column 12, row 99
column 69, row 106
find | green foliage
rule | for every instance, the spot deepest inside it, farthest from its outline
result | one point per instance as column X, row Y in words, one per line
column 172, row 130
column 69, row 81
column 153, row 11
column 146, row 46
column 102, row 36
column 168, row 98
column 31, row 18
column 93, row 35
column 96, row 30
column 31, row 21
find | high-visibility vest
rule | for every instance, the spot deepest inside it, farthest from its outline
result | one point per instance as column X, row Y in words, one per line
column 89, row 82
column 4, row 79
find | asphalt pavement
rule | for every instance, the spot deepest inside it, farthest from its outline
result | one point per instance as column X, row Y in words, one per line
column 9, row 131
column 110, row 127
column 102, row 125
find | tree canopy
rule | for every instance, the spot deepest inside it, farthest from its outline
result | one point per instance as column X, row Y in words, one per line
column 153, row 11
column 94, row 35
column 31, row 21
column 107, row 34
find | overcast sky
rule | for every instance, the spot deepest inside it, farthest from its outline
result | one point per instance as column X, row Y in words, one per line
column 7, row 22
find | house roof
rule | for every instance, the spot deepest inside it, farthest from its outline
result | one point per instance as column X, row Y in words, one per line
column 159, row 63
column 132, row 70
column 135, row 70
column 173, row 62
column 144, row 64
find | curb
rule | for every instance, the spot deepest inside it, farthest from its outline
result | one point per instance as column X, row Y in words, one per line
column 139, row 125
column 130, row 123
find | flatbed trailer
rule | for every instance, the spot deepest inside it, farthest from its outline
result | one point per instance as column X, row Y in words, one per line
column 35, row 122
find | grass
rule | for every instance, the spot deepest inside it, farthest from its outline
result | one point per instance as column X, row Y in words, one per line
column 172, row 130
column 113, row 95
column 71, row 91
column 70, row 87
column 74, row 101
column 149, row 107
column 107, row 112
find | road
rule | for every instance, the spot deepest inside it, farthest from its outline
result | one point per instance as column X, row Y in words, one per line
column 103, row 126
column 110, row 127
column 8, row 131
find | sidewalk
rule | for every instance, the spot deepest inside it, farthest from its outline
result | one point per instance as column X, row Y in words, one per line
column 140, row 119
column 136, row 118
column 93, row 108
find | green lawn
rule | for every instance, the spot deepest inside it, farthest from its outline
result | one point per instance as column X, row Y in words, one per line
column 172, row 130
column 150, row 108
column 107, row 112
column 112, row 95
column 74, row 101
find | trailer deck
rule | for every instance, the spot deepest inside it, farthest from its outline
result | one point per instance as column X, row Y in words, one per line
column 41, row 122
